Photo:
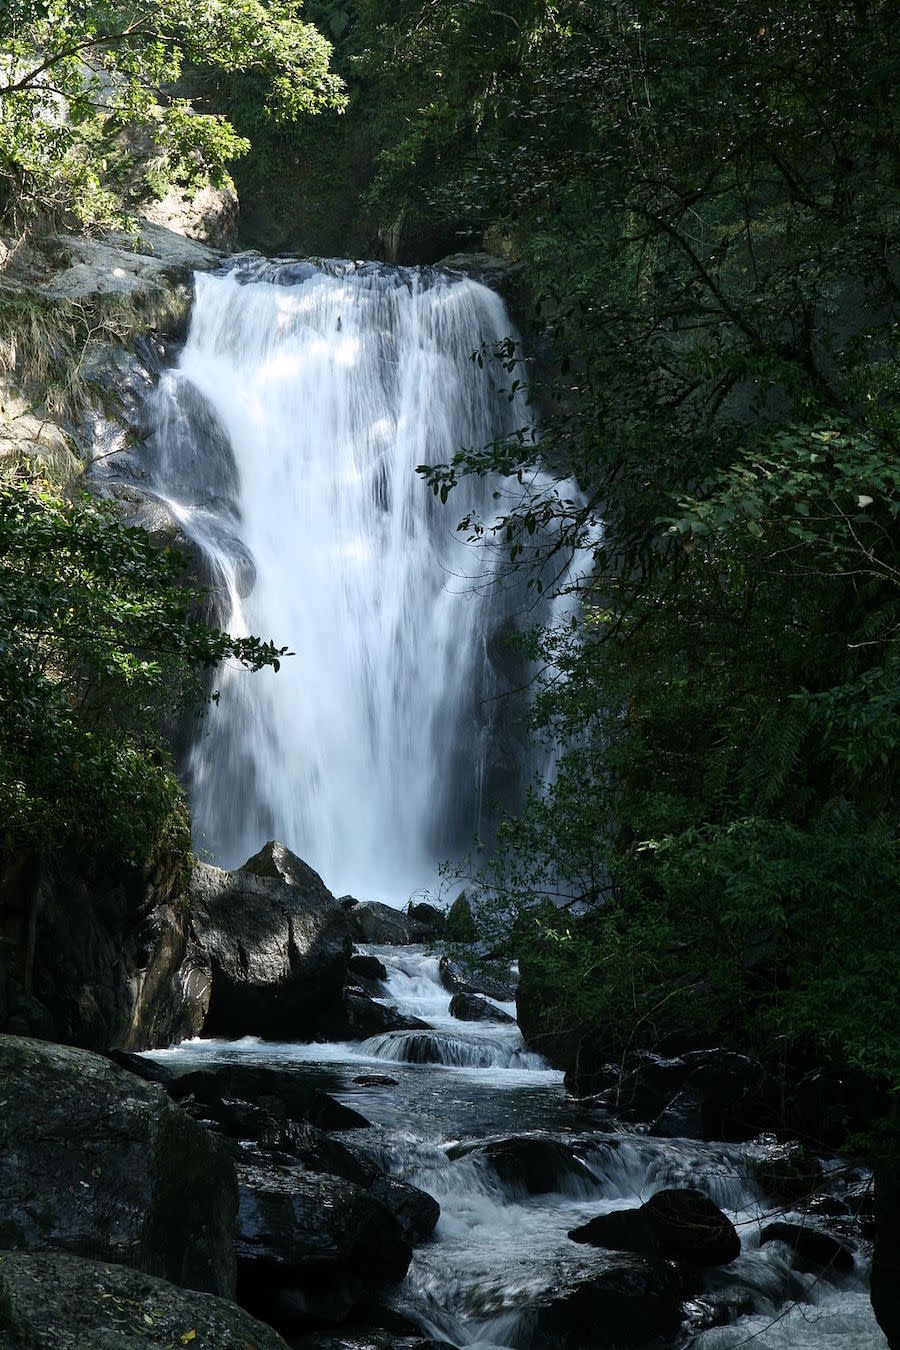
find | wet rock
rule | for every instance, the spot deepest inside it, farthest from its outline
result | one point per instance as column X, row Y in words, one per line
column 244, row 1099
column 885, row 1284
column 537, row 1164
column 416, row 1211
column 311, row 1246
column 677, row 1223
column 459, row 977
column 368, row 967
column 93, row 1161
column 790, row 1176
column 631, row 1301
column 375, row 1080
column 52, row 1300
column 295, row 1141
column 428, row 915
column 360, row 1016
column 278, row 945
column 382, row 925
column 812, row 1249
column 474, row 1008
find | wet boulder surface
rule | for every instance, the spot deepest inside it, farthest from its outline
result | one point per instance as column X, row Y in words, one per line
column 54, row 1301
column 277, row 941
column 95, row 1162
column 310, row 1245
column 676, row 1223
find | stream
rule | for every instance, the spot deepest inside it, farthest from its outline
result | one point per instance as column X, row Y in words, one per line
column 499, row 1253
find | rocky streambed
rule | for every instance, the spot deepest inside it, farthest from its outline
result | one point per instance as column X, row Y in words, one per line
column 398, row 1169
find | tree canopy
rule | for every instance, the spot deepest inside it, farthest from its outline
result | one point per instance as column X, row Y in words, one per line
column 704, row 196
column 93, row 113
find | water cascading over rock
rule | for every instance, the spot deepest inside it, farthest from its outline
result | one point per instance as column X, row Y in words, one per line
column 286, row 443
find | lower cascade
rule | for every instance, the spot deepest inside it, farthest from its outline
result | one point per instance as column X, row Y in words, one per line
column 523, row 1174
column 286, row 443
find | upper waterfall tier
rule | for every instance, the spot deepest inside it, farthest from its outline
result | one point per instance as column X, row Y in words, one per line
column 304, row 400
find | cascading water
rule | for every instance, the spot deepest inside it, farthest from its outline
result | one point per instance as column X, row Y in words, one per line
column 306, row 398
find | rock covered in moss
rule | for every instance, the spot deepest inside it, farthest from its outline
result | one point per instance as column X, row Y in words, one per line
column 95, row 1162
column 52, row 1301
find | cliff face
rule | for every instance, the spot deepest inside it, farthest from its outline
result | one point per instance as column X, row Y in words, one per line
column 85, row 325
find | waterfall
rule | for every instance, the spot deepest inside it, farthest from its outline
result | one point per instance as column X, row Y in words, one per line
column 304, row 399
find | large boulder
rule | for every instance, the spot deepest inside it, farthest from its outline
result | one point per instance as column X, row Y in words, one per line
column 383, row 926
column 631, row 1301
column 474, row 1008
column 536, row 1164
column 95, row 1162
column 52, row 1301
column 243, row 1100
column 811, row 1249
column 359, row 1016
column 278, row 943
column 678, row 1223
column 310, row 1246
column 492, row 980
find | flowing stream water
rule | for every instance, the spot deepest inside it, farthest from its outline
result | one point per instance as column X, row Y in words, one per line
column 286, row 444
column 500, row 1253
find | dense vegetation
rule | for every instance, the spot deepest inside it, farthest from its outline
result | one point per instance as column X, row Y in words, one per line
column 704, row 196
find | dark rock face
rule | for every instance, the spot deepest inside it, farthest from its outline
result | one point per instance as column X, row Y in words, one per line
column 428, row 915
column 791, row 1176
column 381, row 925
column 95, row 1162
column 278, row 948
column 106, row 964
column 102, row 1305
column 677, row 1223
column 628, row 1303
column 311, row 1246
column 812, row 1249
column 537, row 1164
column 460, row 978
column 885, row 1288
column 474, row 1008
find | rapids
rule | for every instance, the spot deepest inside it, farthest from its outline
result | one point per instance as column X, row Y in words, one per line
column 498, row 1252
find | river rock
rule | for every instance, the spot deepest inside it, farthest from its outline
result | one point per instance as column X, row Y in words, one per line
column 678, row 1223
column 631, row 1301
column 278, row 945
column 812, row 1250
column 459, row 977
column 428, row 915
column 53, row 1301
column 537, row 1164
column 93, row 1161
column 311, row 1246
column 359, row 1016
column 245, row 1099
column 474, row 1008
column 384, row 926
column 367, row 967
column 790, row 1176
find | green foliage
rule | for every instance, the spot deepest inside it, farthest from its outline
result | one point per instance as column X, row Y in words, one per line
column 705, row 196
column 98, row 644
column 82, row 94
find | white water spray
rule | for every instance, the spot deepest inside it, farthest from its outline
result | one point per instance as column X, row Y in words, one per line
column 365, row 753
